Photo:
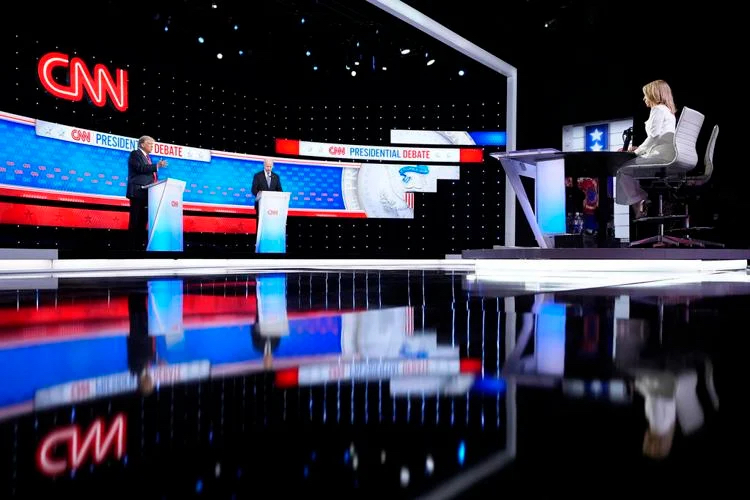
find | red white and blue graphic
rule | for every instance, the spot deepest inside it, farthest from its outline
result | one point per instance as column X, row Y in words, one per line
column 57, row 175
column 597, row 137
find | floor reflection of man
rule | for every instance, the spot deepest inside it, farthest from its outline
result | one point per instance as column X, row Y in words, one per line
column 141, row 347
column 264, row 344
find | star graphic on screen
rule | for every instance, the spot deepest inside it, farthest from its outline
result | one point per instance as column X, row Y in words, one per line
column 596, row 136
column 596, row 147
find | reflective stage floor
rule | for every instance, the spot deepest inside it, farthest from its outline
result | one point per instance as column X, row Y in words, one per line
column 421, row 383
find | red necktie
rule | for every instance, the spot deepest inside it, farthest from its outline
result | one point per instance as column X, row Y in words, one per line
column 148, row 159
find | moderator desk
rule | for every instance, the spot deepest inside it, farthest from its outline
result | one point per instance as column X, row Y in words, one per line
column 548, row 168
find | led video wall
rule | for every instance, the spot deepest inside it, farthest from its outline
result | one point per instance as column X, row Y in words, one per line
column 57, row 175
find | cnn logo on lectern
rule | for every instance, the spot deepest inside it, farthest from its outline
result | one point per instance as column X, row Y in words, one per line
column 67, row 448
column 97, row 84
column 272, row 211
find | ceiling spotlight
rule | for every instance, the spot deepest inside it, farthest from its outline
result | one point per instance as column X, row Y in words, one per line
column 307, row 53
column 236, row 27
column 242, row 52
column 315, row 68
column 405, row 51
column 302, row 21
column 356, row 63
column 357, row 44
column 385, row 68
column 354, row 73
column 213, row 6
column 460, row 72
column 166, row 28
column 219, row 56
column 430, row 62
column 200, row 39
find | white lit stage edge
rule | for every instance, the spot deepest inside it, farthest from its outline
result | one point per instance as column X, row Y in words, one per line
column 531, row 274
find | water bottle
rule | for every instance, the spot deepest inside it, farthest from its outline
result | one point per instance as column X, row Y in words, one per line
column 578, row 223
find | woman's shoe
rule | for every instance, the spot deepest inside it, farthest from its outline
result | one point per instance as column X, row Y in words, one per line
column 641, row 209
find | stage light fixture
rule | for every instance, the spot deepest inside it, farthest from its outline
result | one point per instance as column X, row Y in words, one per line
column 236, row 27
column 354, row 73
column 307, row 53
column 219, row 56
column 430, row 62
column 200, row 39
column 405, row 51
column 461, row 72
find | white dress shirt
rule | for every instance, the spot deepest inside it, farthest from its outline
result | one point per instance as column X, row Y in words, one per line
column 660, row 122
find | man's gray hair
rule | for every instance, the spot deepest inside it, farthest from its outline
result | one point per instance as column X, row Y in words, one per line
column 146, row 138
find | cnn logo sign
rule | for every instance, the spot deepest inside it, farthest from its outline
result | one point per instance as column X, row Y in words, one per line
column 95, row 443
column 97, row 84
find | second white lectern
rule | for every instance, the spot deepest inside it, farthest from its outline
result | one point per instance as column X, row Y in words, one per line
column 273, row 207
column 165, row 232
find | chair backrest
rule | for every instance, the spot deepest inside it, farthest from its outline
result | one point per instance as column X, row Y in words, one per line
column 685, row 138
column 708, row 161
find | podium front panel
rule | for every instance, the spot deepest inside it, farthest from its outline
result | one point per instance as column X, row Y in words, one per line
column 271, row 233
column 165, row 231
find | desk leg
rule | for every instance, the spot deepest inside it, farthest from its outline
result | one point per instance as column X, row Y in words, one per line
column 514, row 179
column 604, row 211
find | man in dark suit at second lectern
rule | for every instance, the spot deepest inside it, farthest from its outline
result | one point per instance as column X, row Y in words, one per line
column 265, row 180
column 141, row 172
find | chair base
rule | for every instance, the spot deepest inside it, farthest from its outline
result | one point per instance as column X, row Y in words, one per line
column 664, row 240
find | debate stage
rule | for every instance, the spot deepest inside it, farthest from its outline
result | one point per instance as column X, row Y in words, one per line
column 609, row 253
column 510, row 261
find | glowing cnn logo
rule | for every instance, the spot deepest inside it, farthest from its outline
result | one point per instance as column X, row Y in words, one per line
column 336, row 150
column 97, row 86
column 96, row 443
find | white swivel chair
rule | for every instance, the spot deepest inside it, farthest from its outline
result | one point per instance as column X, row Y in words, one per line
column 671, row 175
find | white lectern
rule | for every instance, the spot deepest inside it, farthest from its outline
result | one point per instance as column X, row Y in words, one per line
column 273, row 207
column 165, row 215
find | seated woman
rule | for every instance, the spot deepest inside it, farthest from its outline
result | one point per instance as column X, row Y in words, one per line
column 657, row 148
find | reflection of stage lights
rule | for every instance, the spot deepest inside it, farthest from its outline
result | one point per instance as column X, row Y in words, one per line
column 429, row 465
column 405, row 476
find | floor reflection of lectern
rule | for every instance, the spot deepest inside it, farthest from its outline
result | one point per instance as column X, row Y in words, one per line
column 165, row 215
column 273, row 207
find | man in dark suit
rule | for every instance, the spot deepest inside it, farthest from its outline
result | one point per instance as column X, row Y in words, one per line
column 265, row 180
column 141, row 172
